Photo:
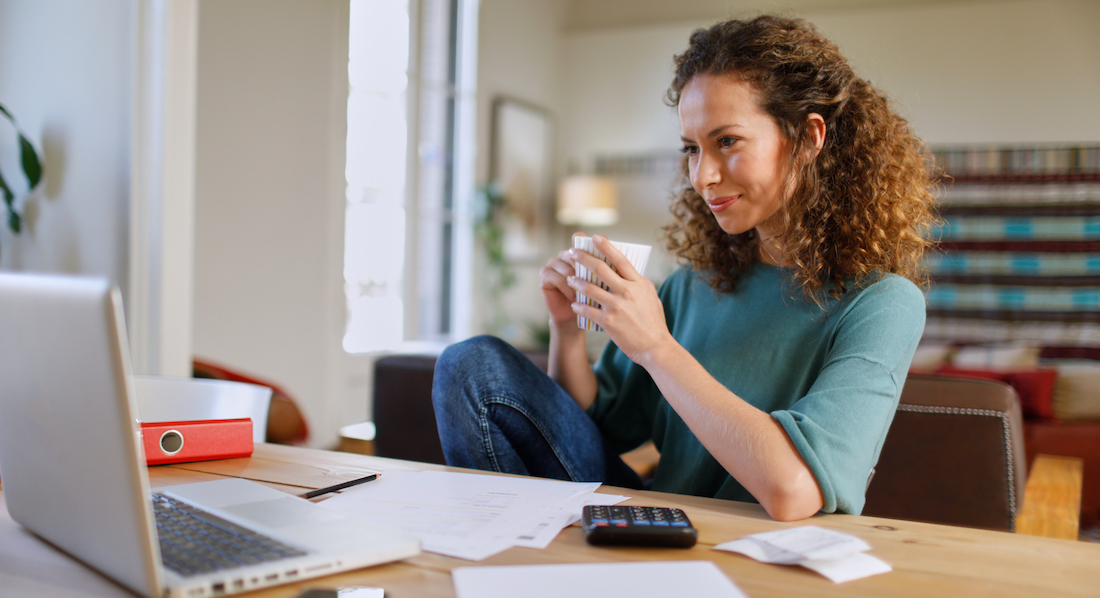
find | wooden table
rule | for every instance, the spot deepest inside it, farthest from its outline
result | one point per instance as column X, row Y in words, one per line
column 928, row 560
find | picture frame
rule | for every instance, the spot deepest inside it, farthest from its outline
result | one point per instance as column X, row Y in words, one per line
column 520, row 164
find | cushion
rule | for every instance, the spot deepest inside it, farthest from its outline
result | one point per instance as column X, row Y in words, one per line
column 1077, row 391
column 1035, row 387
column 1016, row 356
column 931, row 356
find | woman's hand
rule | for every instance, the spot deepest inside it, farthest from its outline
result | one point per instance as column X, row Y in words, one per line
column 559, row 297
column 630, row 310
column 568, row 364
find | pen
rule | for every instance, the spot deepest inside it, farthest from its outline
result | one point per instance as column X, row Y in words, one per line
column 320, row 491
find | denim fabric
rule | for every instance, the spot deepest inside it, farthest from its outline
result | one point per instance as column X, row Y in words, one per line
column 497, row 411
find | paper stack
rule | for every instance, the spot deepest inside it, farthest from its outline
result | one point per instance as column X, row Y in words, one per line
column 471, row 516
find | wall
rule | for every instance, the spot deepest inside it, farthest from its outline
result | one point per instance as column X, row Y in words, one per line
column 958, row 71
column 66, row 75
column 268, row 230
column 271, row 112
column 617, row 81
column 519, row 56
column 994, row 72
column 1024, row 71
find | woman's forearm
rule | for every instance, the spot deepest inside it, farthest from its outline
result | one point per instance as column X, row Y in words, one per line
column 749, row 443
column 568, row 364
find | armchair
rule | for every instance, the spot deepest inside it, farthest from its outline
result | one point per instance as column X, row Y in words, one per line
column 955, row 455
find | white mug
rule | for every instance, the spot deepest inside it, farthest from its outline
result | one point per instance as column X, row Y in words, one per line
column 638, row 255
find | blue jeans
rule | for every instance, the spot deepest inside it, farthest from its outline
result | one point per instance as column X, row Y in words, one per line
column 497, row 411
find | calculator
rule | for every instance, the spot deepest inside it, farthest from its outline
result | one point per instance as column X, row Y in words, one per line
column 637, row 526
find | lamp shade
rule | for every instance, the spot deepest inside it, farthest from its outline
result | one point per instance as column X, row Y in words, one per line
column 587, row 200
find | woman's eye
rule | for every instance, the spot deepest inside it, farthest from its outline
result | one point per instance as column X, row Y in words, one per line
column 726, row 141
column 690, row 150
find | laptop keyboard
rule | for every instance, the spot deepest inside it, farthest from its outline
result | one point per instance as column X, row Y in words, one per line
column 193, row 541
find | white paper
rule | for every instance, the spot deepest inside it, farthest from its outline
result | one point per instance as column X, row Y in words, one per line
column 811, row 542
column 851, row 567
column 468, row 516
column 761, row 551
column 598, row 499
column 839, row 557
column 555, row 519
column 361, row 592
column 595, row 500
column 596, row 580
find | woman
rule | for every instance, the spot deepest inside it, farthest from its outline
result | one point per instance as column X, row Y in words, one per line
column 768, row 368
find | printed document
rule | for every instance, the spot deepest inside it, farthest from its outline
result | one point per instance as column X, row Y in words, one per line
column 464, row 515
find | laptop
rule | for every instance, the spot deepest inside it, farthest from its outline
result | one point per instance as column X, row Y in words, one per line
column 74, row 473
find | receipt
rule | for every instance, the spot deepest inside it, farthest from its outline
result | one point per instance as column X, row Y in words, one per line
column 839, row 557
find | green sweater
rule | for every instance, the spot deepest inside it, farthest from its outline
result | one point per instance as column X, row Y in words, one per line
column 830, row 377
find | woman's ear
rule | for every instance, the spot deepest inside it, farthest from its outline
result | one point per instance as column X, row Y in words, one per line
column 815, row 126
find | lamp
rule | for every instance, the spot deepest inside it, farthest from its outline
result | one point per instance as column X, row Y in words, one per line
column 587, row 200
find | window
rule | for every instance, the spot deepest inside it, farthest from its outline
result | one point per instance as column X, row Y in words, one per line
column 407, row 231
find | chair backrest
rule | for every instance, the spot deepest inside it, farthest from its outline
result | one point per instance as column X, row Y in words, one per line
column 403, row 415
column 286, row 424
column 954, row 455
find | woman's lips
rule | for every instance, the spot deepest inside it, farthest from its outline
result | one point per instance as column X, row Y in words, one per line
column 721, row 203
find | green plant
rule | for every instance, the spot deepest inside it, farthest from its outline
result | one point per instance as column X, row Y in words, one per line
column 489, row 211
column 32, row 169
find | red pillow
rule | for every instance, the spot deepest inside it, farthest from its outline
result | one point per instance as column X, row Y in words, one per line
column 1035, row 387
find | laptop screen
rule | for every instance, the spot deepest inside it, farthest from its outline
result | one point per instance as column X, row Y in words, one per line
column 70, row 450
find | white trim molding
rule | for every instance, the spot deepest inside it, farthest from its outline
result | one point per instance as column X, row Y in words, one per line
column 163, row 186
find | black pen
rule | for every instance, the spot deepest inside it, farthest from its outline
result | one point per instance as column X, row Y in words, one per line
column 320, row 491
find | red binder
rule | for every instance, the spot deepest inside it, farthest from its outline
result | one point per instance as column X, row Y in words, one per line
column 181, row 442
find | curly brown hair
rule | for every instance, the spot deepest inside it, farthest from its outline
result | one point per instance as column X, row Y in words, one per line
column 862, row 207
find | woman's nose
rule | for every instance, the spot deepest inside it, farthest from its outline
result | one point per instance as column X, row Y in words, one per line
column 707, row 171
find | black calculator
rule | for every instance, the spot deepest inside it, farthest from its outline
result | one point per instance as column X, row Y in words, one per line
column 637, row 526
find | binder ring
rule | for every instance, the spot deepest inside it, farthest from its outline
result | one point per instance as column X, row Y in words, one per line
column 171, row 442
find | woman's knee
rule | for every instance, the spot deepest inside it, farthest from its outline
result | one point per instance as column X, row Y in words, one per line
column 463, row 360
column 459, row 365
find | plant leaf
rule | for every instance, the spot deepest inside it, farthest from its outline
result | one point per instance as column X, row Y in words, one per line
column 15, row 222
column 32, row 167
column 9, row 197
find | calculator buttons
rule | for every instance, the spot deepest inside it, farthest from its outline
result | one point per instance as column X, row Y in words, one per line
column 638, row 526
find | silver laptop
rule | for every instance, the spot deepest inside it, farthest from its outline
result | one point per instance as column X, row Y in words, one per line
column 74, row 473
